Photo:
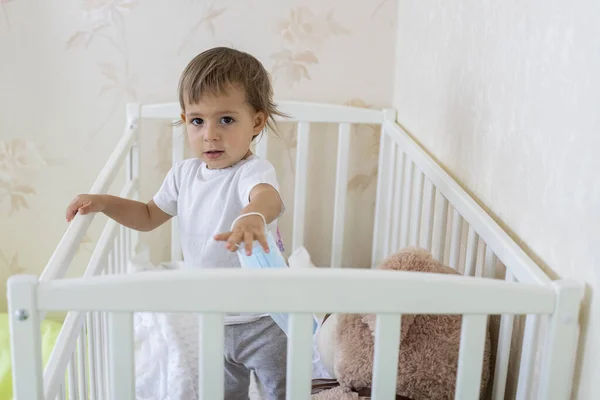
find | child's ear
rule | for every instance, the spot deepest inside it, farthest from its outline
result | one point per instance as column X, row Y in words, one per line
column 260, row 119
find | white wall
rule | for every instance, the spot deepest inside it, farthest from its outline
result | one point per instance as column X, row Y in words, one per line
column 506, row 95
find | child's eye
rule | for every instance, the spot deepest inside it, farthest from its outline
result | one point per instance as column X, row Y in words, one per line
column 226, row 120
column 197, row 121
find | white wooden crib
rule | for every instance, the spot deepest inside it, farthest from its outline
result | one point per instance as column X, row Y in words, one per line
column 417, row 203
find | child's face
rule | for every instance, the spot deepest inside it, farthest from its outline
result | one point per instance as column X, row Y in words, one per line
column 220, row 128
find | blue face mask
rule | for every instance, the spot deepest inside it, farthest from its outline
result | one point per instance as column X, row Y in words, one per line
column 272, row 259
column 260, row 259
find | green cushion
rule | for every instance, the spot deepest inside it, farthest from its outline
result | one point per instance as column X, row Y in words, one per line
column 50, row 330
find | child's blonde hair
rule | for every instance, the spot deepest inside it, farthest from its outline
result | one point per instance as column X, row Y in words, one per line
column 215, row 70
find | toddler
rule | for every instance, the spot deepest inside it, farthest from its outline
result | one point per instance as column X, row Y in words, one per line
column 226, row 100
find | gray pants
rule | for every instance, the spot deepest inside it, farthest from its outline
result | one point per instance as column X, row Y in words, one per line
column 261, row 347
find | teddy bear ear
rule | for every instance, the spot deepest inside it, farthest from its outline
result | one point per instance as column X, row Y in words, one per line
column 370, row 320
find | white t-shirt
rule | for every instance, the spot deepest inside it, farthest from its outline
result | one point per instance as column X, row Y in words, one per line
column 206, row 202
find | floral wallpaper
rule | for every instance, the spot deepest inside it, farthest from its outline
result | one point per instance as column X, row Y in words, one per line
column 67, row 73
column 505, row 95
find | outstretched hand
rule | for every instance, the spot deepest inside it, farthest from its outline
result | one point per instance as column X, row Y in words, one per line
column 246, row 230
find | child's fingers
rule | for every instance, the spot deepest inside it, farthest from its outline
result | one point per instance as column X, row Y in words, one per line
column 221, row 237
column 248, row 242
column 76, row 208
column 262, row 239
column 86, row 208
column 72, row 209
column 233, row 243
column 71, row 212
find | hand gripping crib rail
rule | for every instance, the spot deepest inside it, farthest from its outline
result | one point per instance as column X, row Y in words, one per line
column 417, row 203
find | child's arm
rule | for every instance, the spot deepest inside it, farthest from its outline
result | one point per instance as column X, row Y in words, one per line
column 264, row 199
column 130, row 213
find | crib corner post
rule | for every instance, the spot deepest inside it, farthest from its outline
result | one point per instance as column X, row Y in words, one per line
column 132, row 172
column 132, row 113
column 389, row 114
column 560, row 350
column 25, row 337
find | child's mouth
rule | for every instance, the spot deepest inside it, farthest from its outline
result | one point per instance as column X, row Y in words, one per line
column 213, row 154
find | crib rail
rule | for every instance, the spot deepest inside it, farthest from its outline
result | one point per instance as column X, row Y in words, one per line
column 83, row 341
column 431, row 210
column 415, row 173
column 113, row 299
column 65, row 251
column 299, row 290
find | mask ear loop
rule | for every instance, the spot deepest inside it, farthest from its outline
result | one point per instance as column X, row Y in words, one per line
column 248, row 214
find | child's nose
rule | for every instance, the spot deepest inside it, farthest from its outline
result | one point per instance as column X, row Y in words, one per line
column 210, row 133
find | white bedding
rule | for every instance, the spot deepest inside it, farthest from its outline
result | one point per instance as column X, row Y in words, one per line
column 166, row 355
column 166, row 351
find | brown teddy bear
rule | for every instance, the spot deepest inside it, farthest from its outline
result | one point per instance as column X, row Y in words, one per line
column 429, row 346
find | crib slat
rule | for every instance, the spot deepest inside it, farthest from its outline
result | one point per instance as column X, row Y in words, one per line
column 341, row 193
column 381, row 194
column 128, row 176
column 489, row 263
column 106, row 352
column 406, row 199
column 122, row 249
column 455, row 239
column 72, row 379
column 111, row 263
column 503, row 352
column 527, row 363
column 389, row 198
column 210, row 364
column 177, row 154
column 480, row 256
column 440, row 220
column 116, row 255
column 81, row 370
column 428, row 213
column 99, row 354
column 387, row 347
column 299, row 357
column 135, row 235
column 129, row 165
column 61, row 392
column 470, row 357
column 397, row 203
column 301, row 184
column 91, row 335
column 471, row 258
column 416, row 207
column 127, row 250
column 122, row 373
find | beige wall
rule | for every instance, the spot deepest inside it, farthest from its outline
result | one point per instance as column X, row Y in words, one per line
column 67, row 71
column 506, row 95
